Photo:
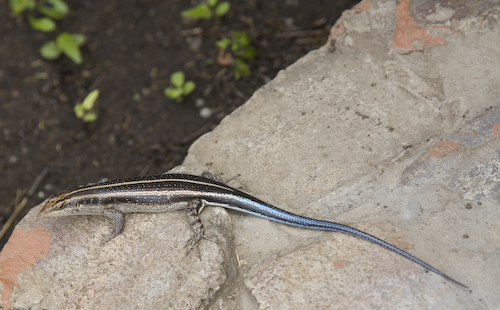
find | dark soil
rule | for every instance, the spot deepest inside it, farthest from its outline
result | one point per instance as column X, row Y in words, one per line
column 132, row 48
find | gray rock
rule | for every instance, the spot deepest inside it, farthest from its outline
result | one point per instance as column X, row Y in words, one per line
column 395, row 132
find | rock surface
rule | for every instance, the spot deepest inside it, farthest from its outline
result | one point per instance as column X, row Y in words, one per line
column 146, row 267
column 393, row 128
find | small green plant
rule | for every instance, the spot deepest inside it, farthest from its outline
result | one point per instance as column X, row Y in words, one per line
column 65, row 43
column 207, row 10
column 180, row 87
column 82, row 110
column 51, row 9
column 43, row 24
column 242, row 50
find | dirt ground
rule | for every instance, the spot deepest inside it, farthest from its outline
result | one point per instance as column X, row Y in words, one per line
column 132, row 48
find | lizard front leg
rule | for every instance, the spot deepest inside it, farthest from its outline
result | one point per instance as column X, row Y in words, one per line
column 192, row 210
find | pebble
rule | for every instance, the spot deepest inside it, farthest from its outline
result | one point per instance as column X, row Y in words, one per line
column 206, row 112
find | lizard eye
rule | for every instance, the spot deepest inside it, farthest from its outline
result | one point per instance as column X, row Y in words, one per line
column 57, row 203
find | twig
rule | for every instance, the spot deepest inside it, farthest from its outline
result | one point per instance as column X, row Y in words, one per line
column 295, row 34
column 241, row 262
column 192, row 31
column 37, row 181
column 238, row 93
column 203, row 129
column 19, row 207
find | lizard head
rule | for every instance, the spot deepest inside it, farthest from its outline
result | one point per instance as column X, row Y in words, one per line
column 57, row 205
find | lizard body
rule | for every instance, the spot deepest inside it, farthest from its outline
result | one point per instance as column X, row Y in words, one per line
column 170, row 192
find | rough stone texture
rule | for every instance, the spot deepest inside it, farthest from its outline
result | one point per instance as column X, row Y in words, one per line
column 323, row 275
column 397, row 142
column 395, row 132
column 146, row 267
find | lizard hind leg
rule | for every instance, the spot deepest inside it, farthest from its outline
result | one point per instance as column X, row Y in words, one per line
column 119, row 219
column 212, row 177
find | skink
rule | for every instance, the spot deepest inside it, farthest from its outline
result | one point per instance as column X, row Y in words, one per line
column 169, row 192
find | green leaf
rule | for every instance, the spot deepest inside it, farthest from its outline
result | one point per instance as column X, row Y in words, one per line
column 66, row 44
column 207, row 63
column 89, row 117
column 241, row 69
column 79, row 110
column 43, row 24
column 240, row 40
column 78, row 38
column 18, row 6
column 50, row 51
column 56, row 9
column 88, row 102
column 224, row 43
column 188, row 87
column 201, row 11
column 173, row 93
column 248, row 53
column 177, row 78
column 212, row 3
column 222, row 9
